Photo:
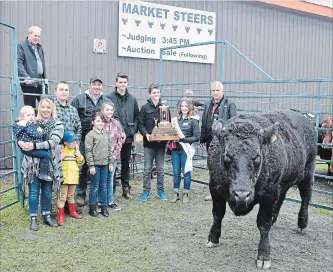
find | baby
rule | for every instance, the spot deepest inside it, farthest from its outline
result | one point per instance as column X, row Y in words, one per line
column 26, row 130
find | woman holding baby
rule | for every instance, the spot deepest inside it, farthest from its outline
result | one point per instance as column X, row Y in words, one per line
column 53, row 128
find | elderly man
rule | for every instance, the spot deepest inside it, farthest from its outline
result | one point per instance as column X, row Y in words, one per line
column 31, row 64
column 67, row 114
column 219, row 107
column 87, row 104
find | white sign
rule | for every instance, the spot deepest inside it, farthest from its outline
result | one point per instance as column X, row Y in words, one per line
column 144, row 28
column 99, row 46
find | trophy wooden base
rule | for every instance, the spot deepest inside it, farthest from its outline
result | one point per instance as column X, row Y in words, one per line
column 164, row 132
column 164, row 138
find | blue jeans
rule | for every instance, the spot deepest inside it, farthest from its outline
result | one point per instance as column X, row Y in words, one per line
column 46, row 197
column 98, row 185
column 151, row 154
column 178, row 159
column 110, row 180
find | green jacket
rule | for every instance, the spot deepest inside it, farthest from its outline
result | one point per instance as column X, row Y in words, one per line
column 95, row 148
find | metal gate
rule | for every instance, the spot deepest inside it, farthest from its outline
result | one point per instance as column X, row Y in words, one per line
column 11, row 179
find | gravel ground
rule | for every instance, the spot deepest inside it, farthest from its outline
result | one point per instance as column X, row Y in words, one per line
column 162, row 236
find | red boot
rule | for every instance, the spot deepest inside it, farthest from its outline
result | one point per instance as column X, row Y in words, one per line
column 72, row 210
column 61, row 216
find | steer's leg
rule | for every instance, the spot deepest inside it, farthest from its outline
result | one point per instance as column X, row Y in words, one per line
column 264, row 223
column 305, row 189
column 277, row 207
column 219, row 205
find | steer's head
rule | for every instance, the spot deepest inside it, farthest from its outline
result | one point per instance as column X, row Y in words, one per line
column 241, row 159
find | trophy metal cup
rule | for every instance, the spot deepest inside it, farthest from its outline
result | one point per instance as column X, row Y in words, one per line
column 164, row 131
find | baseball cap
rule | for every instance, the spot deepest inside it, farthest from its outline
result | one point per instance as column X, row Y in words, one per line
column 96, row 78
column 69, row 137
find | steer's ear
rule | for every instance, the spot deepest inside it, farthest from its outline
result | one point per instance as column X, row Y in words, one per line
column 217, row 128
column 268, row 134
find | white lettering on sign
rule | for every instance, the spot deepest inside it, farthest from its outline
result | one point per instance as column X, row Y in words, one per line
column 144, row 28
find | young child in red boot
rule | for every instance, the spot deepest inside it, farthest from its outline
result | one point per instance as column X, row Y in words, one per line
column 71, row 161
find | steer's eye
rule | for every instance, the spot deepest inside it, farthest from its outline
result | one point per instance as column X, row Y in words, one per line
column 257, row 159
column 227, row 159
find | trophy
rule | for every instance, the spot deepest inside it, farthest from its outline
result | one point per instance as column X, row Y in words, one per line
column 164, row 131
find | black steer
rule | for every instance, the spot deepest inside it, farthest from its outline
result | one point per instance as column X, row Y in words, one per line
column 256, row 158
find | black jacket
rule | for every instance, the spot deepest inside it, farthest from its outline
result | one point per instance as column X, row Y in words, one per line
column 127, row 112
column 86, row 108
column 190, row 129
column 225, row 110
column 26, row 60
column 148, row 113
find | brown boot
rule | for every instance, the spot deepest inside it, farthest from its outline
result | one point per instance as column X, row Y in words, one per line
column 127, row 193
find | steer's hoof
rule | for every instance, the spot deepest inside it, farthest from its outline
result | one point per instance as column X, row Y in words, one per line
column 264, row 264
column 211, row 244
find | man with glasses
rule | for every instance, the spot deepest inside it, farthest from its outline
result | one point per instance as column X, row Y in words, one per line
column 219, row 107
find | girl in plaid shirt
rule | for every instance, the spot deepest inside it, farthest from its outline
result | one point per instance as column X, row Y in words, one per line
column 116, row 132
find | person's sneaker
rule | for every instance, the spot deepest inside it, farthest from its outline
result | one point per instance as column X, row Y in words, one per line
column 175, row 198
column 114, row 206
column 144, row 196
column 186, row 198
column 208, row 198
column 162, row 195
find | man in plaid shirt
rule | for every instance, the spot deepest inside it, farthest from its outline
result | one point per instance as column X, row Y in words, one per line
column 66, row 112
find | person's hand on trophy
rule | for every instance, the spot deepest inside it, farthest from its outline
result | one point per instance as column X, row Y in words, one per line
column 148, row 137
column 180, row 135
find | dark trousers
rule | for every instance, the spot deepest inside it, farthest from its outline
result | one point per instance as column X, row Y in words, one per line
column 83, row 177
column 30, row 100
column 208, row 144
column 125, row 156
column 151, row 154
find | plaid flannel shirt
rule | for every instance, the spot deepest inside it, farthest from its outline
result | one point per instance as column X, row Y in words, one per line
column 70, row 118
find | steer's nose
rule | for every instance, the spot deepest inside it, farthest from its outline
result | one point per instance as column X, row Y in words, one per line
column 242, row 195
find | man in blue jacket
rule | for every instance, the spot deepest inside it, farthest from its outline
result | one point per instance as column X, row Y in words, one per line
column 31, row 64
column 127, row 112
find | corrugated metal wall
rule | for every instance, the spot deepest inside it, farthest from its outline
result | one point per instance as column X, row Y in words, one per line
column 286, row 44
